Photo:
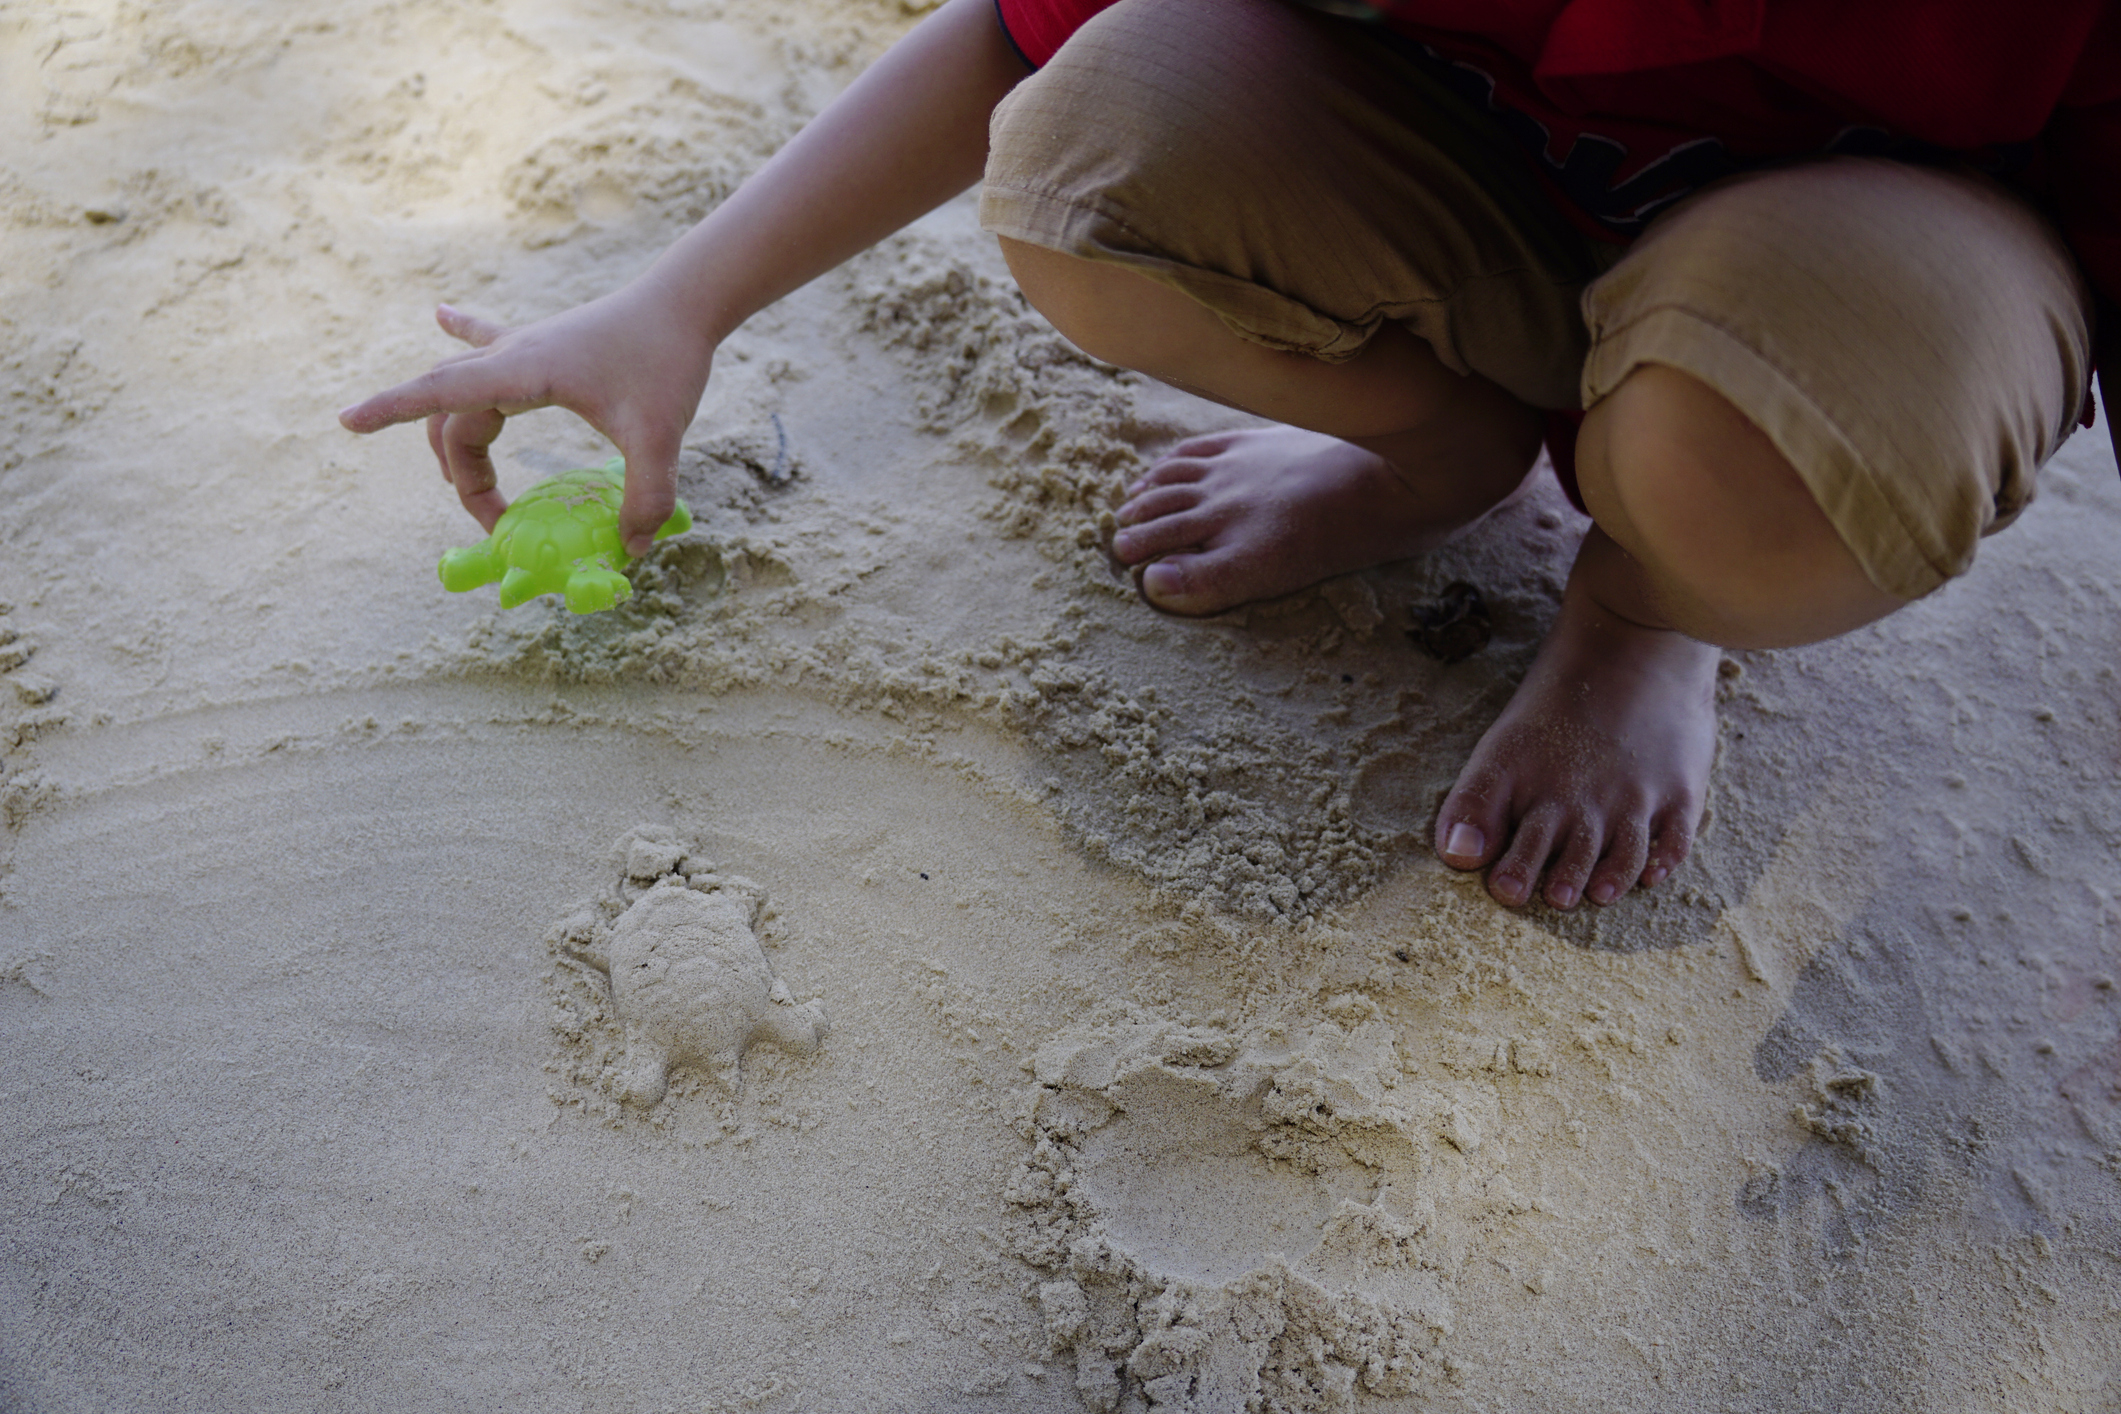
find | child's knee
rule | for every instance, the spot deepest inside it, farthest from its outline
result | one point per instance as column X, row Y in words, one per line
column 1731, row 535
column 1112, row 313
column 1910, row 343
column 1287, row 173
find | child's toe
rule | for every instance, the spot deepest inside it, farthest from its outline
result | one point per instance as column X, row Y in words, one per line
column 1512, row 878
column 1473, row 824
column 1579, row 852
column 1194, row 584
column 1207, row 444
column 1157, row 502
column 1626, row 856
column 1671, row 840
column 1162, row 536
column 1175, row 470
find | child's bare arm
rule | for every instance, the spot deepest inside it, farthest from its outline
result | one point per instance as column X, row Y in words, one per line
column 907, row 135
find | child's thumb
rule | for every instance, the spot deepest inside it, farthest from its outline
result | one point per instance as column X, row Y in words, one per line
column 651, row 493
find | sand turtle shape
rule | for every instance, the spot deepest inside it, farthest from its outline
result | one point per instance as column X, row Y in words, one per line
column 559, row 537
column 691, row 986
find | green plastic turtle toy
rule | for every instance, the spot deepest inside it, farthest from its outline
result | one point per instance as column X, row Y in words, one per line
column 559, row 537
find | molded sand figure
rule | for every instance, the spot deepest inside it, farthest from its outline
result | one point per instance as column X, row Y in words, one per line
column 559, row 537
column 691, row 985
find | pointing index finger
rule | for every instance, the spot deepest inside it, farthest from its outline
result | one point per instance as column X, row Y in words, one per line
column 468, row 386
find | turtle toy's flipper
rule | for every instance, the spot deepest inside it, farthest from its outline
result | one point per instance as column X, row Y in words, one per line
column 470, row 566
column 520, row 586
column 591, row 588
column 680, row 521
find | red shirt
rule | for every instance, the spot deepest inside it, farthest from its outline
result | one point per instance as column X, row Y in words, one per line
column 1624, row 106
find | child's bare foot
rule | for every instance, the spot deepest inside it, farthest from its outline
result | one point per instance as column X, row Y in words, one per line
column 1598, row 764
column 1237, row 516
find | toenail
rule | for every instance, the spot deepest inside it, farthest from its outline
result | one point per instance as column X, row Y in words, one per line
column 1563, row 895
column 1160, row 581
column 1602, row 892
column 1657, row 875
column 1464, row 841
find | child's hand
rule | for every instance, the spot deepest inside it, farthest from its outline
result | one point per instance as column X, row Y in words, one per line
column 627, row 364
column 905, row 136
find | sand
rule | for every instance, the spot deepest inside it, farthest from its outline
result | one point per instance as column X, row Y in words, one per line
column 1059, row 1005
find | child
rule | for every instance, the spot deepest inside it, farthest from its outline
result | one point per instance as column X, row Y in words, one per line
column 1784, row 252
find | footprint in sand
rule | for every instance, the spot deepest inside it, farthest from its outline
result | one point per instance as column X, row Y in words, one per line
column 30, row 689
column 1227, row 1226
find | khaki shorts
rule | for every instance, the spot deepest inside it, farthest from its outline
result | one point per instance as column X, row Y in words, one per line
column 1915, row 340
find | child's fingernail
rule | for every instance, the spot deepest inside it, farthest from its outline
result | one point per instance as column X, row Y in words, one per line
column 1464, row 842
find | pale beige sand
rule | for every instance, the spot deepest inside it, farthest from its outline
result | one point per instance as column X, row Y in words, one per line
column 1161, row 1064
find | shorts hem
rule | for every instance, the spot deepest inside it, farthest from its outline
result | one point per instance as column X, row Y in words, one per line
column 1899, row 555
column 1064, row 222
column 1060, row 222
